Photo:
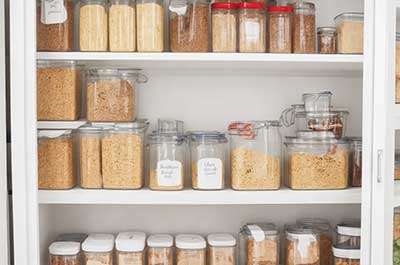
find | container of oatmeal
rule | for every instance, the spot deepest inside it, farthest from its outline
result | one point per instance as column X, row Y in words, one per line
column 397, row 165
column 122, row 25
column 190, row 249
column 302, row 246
column 280, row 29
column 259, row 244
column 350, row 32
column 224, row 26
column 255, row 155
column 150, row 25
column 221, row 249
column 345, row 256
column 64, row 253
column 160, row 249
column 304, row 31
column 327, row 40
column 129, row 248
column 348, row 235
column 252, row 27
column 98, row 249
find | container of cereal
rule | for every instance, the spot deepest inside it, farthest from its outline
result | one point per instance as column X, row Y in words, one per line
column 252, row 27
column 397, row 165
column 259, row 244
column 160, row 249
column 98, row 249
column 314, row 102
column 58, row 91
column 326, row 40
column 304, row 37
column 64, row 253
column 345, row 256
column 129, row 248
column 224, row 26
column 255, row 155
column 280, row 29
column 150, row 25
column 302, row 246
column 122, row 25
column 190, row 249
column 221, row 249
column 348, row 235
column 350, row 32
column 355, row 161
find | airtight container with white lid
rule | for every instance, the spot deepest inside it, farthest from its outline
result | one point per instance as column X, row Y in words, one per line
column 160, row 249
column 64, row 253
column 129, row 248
column 98, row 249
column 191, row 249
column 346, row 256
column 221, row 249
column 348, row 235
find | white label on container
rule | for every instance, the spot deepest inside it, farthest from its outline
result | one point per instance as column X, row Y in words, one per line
column 209, row 173
column 53, row 12
column 252, row 30
column 257, row 233
column 169, row 173
column 303, row 245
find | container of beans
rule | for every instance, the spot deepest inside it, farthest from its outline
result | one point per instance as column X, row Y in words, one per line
column 55, row 26
column 252, row 27
column 64, row 253
column 129, row 248
column 98, row 249
column 150, row 25
column 350, row 33
column 190, row 249
column 224, row 26
column 326, row 40
column 304, row 35
column 343, row 256
column 122, row 25
column 221, row 249
column 280, row 29
column 348, row 235
column 160, row 249
column 302, row 245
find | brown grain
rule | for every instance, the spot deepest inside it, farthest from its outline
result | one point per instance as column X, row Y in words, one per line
column 327, row 44
column 97, row 258
column 341, row 261
column 265, row 252
column 190, row 257
column 351, row 37
column 160, row 256
column 64, row 260
column 326, row 244
column 129, row 258
column 304, row 33
column 280, row 33
column 90, row 161
column 221, row 256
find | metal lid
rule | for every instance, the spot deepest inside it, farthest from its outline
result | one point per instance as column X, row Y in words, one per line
column 304, row 5
column 204, row 136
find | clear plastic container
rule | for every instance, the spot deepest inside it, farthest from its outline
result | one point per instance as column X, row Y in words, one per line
column 288, row 116
column 160, row 249
column 189, row 25
column 73, row 237
column 259, row 244
column 224, row 26
column 321, row 101
column 302, row 246
column 55, row 26
column 304, row 35
column 350, row 32
column 122, row 25
column 252, row 27
column 98, row 249
column 150, row 25
column 326, row 40
column 348, row 235
column 129, row 248
column 93, row 25
column 58, row 90
column 64, row 253
column 280, row 29
column 346, row 256
column 208, row 153
column 221, row 249
column 190, row 250
column 356, row 161
column 255, row 155
column 397, row 165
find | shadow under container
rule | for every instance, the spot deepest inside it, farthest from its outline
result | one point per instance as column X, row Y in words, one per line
column 64, row 253
column 150, row 25
column 122, row 25
column 252, row 27
column 190, row 249
column 302, row 246
column 129, row 248
column 224, row 26
column 348, row 235
column 280, row 29
column 304, row 28
column 208, row 153
column 160, row 249
column 346, row 256
column 255, row 155
column 221, row 249
column 98, row 249
column 350, row 33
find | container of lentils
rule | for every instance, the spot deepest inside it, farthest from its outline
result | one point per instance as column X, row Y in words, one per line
column 280, row 29
column 122, row 26
column 221, row 249
column 304, row 35
column 252, row 27
column 326, row 40
column 224, row 27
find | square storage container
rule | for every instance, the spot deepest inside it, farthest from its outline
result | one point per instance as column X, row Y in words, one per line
column 221, row 249
column 302, row 246
column 347, row 256
column 122, row 25
column 348, row 235
column 98, row 249
column 160, row 249
column 190, row 249
column 64, row 253
column 129, row 248
column 150, row 25
column 350, row 32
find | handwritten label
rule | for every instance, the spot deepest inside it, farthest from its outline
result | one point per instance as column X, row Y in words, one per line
column 209, row 173
column 169, row 173
column 53, row 12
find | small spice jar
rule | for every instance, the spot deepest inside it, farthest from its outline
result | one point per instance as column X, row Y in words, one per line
column 345, row 256
column 221, row 249
column 190, row 250
column 302, row 246
column 350, row 32
column 224, row 26
column 98, row 249
column 122, row 25
column 259, row 244
column 160, row 249
column 252, row 27
column 93, row 25
column 326, row 40
column 356, row 161
column 348, row 235
column 208, row 152
column 150, row 25
column 304, row 36
column 64, row 253
column 280, row 29
column 129, row 248
column 55, row 26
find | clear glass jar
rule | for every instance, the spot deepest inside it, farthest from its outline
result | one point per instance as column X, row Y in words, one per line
column 73, row 237
column 122, row 155
column 224, row 26
column 58, row 90
column 346, row 256
column 129, row 248
column 259, row 244
column 170, row 126
column 255, row 155
column 348, row 235
column 252, row 27
column 122, row 25
column 397, row 165
column 280, row 29
column 304, row 36
column 93, row 25
column 356, row 161
column 55, row 26
column 326, row 40
column 98, row 249
column 350, row 32
column 302, row 246
column 221, row 249
column 188, row 25
column 317, row 161
column 288, row 116
column 314, row 102
column 64, row 253
column 150, row 25
column 56, row 160
column 160, row 249
column 190, row 250
column 208, row 152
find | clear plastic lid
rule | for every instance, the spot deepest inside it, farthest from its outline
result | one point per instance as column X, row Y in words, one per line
column 54, row 133
column 130, row 241
column 190, row 241
column 160, row 241
column 56, row 64
column 159, row 138
column 221, row 240
column 170, row 126
column 94, row 2
column 122, row 2
column 207, row 136
column 139, row 125
column 258, row 231
column 98, row 243
column 92, row 128
column 64, row 248
column 349, row 16
column 294, row 232
column 314, row 137
column 346, row 253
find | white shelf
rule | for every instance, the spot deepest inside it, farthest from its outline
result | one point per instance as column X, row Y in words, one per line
column 191, row 197
column 62, row 125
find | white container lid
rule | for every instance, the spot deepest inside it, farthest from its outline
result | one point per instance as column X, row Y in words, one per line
column 130, row 241
column 346, row 253
column 348, row 230
column 160, row 241
column 53, row 133
column 66, row 248
column 221, row 240
column 190, row 241
column 98, row 243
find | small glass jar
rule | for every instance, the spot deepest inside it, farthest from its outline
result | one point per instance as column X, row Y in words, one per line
column 314, row 102
column 280, row 29
column 122, row 25
column 224, row 26
column 55, row 26
column 98, row 249
column 259, row 244
column 93, row 25
column 304, row 35
column 255, row 155
column 208, row 152
column 350, row 33
column 397, row 164
column 326, row 40
column 129, row 248
column 356, row 161
column 64, row 253
column 252, row 27
column 150, row 25
column 346, row 256
column 221, row 249
column 288, row 116
column 72, row 237
column 190, row 249
column 302, row 246
column 160, row 249
column 348, row 235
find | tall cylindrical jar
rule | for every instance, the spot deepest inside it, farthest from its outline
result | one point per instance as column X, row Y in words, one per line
column 224, row 27
column 280, row 29
column 160, row 249
column 122, row 25
column 326, row 40
column 93, row 25
column 150, row 25
column 252, row 27
column 304, row 35
column 64, row 253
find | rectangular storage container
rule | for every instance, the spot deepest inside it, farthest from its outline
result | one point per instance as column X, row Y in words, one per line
column 224, row 26
column 98, row 249
column 190, row 250
column 302, row 246
column 150, row 25
column 221, row 249
column 122, row 25
column 252, row 27
column 129, row 248
column 64, row 253
column 350, row 32
column 160, row 249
